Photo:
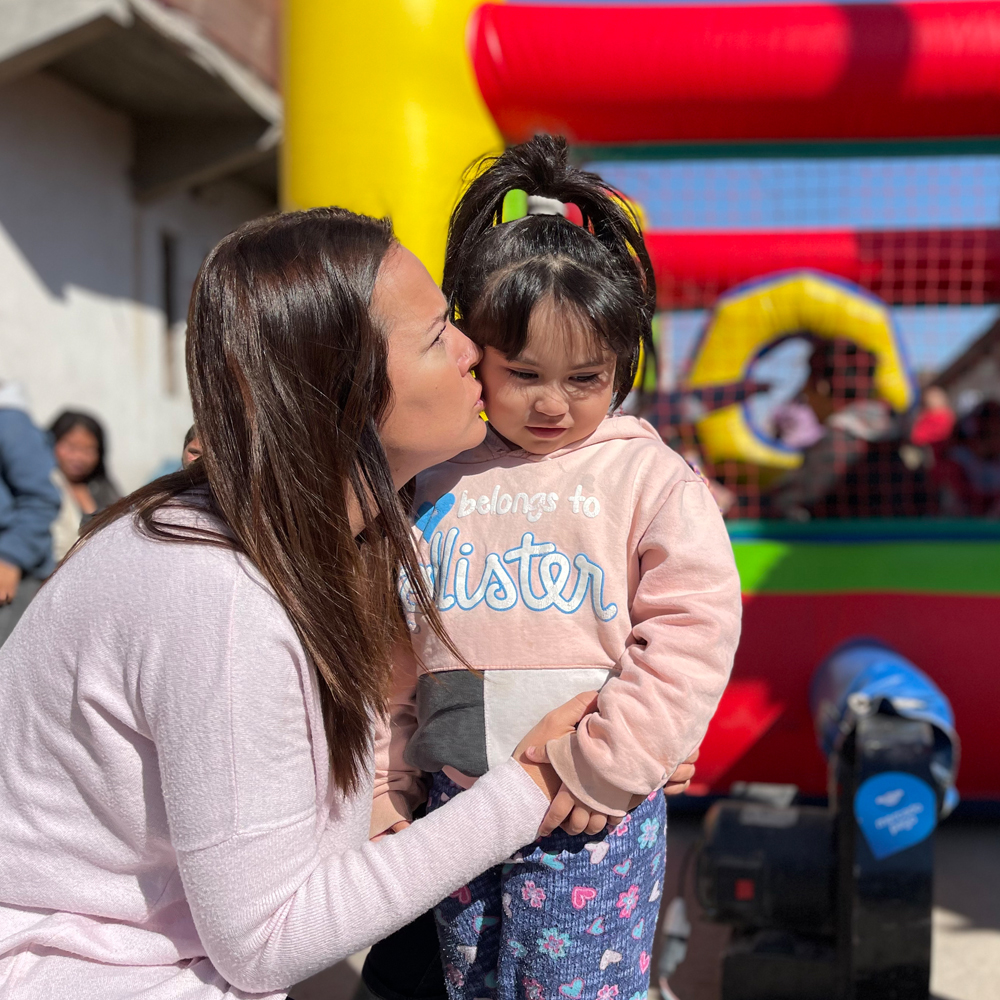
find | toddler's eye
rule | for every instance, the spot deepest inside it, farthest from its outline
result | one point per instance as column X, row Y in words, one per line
column 584, row 379
column 523, row 376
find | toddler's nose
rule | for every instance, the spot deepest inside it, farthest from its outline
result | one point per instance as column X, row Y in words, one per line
column 550, row 404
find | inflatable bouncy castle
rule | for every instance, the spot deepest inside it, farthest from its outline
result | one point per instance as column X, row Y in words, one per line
column 811, row 176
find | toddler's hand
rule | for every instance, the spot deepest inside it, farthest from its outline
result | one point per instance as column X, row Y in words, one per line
column 573, row 816
column 567, row 810
column 395, row 828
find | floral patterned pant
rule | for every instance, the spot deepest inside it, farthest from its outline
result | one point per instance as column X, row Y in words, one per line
column 567, row 918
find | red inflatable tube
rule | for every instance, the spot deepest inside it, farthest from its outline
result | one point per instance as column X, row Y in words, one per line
column 763, row 730
column 929, row 267
column 691, row 74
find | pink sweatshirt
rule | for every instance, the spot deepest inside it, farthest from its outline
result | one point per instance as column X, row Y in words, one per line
column 605, row 565
column 168, row 828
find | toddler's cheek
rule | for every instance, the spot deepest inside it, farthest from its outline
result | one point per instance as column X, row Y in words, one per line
column 502, row 407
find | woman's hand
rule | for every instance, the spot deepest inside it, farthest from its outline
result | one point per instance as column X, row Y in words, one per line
column 678, row 782
column 530, row 752
column 574, row 817
column 395, row 828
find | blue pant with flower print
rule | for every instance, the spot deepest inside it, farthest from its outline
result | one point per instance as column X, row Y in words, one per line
column 567, row 918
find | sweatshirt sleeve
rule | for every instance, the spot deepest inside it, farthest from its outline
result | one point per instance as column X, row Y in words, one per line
column 26, row 466
column 276, row 864
column 399, row 787
column 685, row 628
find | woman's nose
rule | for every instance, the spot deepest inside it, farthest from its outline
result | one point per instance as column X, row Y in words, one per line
column 469, row 356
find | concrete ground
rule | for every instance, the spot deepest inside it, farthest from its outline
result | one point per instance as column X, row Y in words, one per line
column 966, row 956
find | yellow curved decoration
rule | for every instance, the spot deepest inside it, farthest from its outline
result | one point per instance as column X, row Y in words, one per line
column 745, row 321
column 382, row 112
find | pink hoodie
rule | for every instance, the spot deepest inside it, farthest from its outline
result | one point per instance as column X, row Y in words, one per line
column 605, row 565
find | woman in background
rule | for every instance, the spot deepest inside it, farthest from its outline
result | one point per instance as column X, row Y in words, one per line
column 83, row 480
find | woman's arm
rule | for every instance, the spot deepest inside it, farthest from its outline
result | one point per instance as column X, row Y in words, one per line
column 276, row 866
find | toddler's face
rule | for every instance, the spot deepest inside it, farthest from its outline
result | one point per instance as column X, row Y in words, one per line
column 555, row 392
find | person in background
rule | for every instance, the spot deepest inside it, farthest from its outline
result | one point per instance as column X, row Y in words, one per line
column 83, row 481
column 192, row 447
column 844, row 470
column 796, row 424
column 967, row 471
column 935, row 419
column 29, row 502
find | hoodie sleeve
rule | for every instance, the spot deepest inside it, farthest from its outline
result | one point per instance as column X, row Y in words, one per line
column 685, row 628
column 26, row 466
column 399, row 788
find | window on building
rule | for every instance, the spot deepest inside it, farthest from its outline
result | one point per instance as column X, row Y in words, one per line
column 172, row 314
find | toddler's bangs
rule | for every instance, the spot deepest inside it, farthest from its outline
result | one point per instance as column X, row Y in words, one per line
column 588, row 304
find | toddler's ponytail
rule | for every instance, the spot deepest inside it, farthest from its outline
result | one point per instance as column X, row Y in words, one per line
column 598, row 264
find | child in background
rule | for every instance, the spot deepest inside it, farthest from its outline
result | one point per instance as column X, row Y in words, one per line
column 192, row 447
column 572, row 551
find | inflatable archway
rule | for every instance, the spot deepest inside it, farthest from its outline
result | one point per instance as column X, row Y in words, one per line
column 755, row 316
column 382, row 112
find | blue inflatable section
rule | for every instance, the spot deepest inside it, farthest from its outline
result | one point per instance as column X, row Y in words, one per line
column 863, row 677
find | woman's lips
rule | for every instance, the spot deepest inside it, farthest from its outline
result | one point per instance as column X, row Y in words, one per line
column 547, row 432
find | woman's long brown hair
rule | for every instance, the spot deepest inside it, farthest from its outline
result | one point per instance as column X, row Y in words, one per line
column 288, row 376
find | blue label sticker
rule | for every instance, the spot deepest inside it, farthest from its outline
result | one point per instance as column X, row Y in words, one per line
column 895, row 810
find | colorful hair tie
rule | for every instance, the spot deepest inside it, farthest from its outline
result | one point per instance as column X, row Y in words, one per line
column 517, row 204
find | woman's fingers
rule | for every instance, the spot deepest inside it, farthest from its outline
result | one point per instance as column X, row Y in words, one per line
column 575, row 709
column 684, row 772
column 562, row 806
column 598, row 821
column 396, row 827
column 577, row 821
column 676, row 788
column 537, row 755
column 558, row 722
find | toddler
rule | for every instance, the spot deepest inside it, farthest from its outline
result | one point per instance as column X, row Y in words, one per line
column 571, row 551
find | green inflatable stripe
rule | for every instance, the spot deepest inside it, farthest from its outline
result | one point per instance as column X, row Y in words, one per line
column 930, row 567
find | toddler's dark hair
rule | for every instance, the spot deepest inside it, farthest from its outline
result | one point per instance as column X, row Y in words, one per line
column 495, row 275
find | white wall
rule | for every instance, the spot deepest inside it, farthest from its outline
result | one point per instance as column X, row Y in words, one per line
column 81, row 320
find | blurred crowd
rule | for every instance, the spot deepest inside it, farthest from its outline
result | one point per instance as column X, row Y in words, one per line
column 859, row 458
column 52, row 482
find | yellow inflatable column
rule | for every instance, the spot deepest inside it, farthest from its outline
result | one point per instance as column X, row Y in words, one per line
column 383, row 114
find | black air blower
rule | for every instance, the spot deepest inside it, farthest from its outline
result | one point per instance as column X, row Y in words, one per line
column 835, row 903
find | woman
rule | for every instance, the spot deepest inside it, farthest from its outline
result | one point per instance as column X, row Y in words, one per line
column 185, row 783
column 83, row 481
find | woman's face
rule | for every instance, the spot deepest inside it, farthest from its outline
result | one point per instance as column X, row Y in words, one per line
column 436, row 398
column 77, row 453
